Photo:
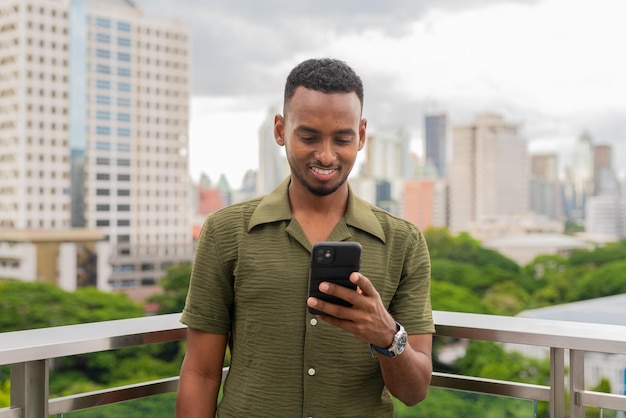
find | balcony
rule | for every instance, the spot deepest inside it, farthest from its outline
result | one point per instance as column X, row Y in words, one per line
column 29, row 354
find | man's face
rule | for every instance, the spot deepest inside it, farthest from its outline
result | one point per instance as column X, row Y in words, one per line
column 322, row 134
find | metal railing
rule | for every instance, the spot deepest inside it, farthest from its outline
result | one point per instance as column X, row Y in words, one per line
column 29, row 353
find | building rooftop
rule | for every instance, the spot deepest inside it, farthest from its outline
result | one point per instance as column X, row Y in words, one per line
column 538, row 241
column 610, row 310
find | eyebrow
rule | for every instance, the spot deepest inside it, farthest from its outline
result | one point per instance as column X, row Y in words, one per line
column 347, row 131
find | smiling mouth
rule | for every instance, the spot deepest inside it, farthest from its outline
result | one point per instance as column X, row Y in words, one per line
column 324, row 171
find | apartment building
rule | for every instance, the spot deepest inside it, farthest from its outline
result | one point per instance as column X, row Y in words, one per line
column 94, row 117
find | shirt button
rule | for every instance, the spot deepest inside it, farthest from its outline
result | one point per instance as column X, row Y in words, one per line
column 311, row 371
column 314, row 321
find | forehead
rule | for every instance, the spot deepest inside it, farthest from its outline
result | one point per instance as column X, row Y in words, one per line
column 306, row 103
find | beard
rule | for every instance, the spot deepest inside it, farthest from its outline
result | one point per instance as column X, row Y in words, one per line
column 321, row 190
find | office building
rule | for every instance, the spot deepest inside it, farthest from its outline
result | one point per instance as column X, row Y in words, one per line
column 582, row 175
column 435, row 142
column 488, row 171
column 545, row 188
column 94, row 103
column 273, row 167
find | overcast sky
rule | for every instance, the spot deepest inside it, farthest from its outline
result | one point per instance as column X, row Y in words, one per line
column 556, row 67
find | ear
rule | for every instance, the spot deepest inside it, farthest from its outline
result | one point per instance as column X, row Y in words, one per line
column 362, row 133
column 279, row 130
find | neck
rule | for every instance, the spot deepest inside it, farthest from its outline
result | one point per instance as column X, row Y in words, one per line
column 303, row 201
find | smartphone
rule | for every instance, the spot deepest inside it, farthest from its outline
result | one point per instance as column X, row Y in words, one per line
column 333, row 262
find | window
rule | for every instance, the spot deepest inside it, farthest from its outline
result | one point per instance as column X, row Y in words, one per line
column 103, row 23
column 103, row 146
column 103, row 208
column 102, row 222
column 123, row 162
column 121, row 101
column 123, row 117
column 103, row 161
column 103, row 69
column 123, row 208
column 123, row 87
column 123, row 132
column 103, row 192
column 123, row 177
column 103, row 130
column 103, row 53
column 103, row 176
column 123, row 192
column 103, row 99
column 103, row 84
column 123, row 148
column 103, row 115
column 122, row 56
column 123, row 41
column 101, row 37
column 123, row 26
column 124, row 72
column 123, row 222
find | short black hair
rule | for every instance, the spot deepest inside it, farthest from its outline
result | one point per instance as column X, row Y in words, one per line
column 327, row 75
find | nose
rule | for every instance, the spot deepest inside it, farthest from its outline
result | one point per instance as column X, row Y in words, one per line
column 326, row 153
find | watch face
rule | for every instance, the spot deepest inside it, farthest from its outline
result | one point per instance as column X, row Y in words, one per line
column 401, row 343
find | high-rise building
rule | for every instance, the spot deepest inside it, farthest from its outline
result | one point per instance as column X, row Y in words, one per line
column 94, row 101
column 425, row 202
column 582, row 175
column 435, row 142
column 545, row 188
column 488, row 172
column 604, row 177
column 273, row 166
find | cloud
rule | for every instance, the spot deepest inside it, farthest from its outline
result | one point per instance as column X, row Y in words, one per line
column 553, row 66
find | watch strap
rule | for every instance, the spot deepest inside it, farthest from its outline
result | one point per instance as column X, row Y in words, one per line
column 386, row 351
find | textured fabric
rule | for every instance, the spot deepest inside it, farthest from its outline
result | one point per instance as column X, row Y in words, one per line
column 250, row 277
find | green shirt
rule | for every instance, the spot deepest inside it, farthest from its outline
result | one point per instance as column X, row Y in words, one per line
column 250, row 278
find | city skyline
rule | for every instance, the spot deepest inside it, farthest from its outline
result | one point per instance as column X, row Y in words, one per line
column 549, row 65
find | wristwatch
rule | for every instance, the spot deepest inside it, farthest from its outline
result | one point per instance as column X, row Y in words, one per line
column 397, row 345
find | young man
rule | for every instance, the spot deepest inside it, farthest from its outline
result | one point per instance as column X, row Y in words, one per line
column 249, row 283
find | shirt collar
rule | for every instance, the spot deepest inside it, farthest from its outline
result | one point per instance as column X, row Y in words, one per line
column 275, row 207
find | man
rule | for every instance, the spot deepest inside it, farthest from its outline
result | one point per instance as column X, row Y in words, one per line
column 249, row 283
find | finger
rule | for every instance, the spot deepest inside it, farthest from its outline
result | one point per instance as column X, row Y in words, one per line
column 342, row 292
column 330, row 309
column 363, row 283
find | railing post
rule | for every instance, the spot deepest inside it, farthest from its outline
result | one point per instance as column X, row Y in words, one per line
column 557, row 382
column 576, row 382
column 29, row 388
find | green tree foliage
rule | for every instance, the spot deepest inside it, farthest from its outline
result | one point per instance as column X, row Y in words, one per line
column 26, row 305
column 450, row 297
column 613, row 251
column 175, row 285
column 465, row 249
column 607, row 280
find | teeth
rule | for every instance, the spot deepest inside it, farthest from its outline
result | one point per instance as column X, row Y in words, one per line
column 322, row 171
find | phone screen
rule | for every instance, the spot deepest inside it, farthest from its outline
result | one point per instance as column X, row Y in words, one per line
column 333, row 262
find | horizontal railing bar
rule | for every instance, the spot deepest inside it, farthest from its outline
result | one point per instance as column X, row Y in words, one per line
column 112, row 395
column 601, row 400
column 491, row 386
column 530, row 331
column 48, row 343
column 10, row 412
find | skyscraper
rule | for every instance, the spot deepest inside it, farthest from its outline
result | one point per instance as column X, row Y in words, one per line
column 545, row 188
column 582, row 174
column 488, row 171
column 93, row 129
column 435, row 141
column 273, row 166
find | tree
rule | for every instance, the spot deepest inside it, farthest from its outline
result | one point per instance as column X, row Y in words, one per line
column 175, row 285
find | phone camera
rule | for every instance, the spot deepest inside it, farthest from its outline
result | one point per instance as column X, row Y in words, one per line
column 324, row 255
